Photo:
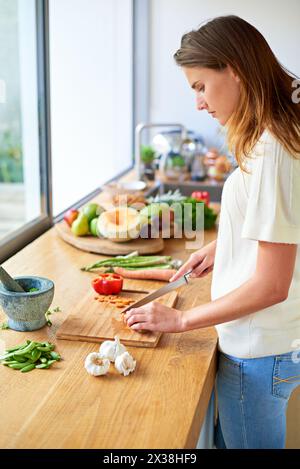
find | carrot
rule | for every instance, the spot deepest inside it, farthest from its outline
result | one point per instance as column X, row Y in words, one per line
column 147, row 274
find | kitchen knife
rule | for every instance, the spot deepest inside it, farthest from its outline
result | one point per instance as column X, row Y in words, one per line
column 160, row 292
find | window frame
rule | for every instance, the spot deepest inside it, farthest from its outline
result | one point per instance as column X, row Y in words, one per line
column 11, row 244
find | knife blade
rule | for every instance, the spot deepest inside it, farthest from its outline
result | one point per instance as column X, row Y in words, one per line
column 160, row 292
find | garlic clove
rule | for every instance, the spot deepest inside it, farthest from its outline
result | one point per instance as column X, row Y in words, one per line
column 125, row 363
column 107, row 350
column 111, row 349
column 96, row 365
column 119, row 348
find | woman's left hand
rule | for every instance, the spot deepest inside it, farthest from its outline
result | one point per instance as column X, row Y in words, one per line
column 155, row 316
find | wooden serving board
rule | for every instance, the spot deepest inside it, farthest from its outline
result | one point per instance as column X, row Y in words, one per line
column 105, row 246
column 93, row 321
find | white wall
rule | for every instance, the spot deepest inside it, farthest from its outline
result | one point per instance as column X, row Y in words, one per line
column 171, row 97
column 91, row 95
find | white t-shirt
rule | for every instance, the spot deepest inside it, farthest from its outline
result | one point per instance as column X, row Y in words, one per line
column 263, row 205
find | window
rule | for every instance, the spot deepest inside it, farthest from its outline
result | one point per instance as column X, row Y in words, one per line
column 91, row 95
column 23, row 203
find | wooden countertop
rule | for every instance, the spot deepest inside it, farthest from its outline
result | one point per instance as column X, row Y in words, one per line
column 161, row 405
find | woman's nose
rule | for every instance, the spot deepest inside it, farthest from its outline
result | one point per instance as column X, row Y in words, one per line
column 200, row 103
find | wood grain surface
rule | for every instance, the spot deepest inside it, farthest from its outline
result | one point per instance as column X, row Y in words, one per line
column 93, row 321
column 161, row 405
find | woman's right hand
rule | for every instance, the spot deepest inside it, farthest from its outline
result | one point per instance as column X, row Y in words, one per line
column 202, row 262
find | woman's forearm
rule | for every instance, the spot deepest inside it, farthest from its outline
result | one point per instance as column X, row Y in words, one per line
column 250, row 297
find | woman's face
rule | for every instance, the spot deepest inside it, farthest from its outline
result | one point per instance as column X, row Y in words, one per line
column 216, row 91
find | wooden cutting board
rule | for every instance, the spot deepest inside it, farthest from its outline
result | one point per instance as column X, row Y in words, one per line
column 105, row 246
column 92, row 321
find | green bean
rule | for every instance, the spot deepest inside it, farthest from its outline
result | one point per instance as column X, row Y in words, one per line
column 35, row 355
column 135, row 261
column 6, row 356
column 55, row 356
column 19, row 366
column 30, row 355
column 20, row 359
column 27, row 349
column 17, row 347
column 48, row 348
column 50, row 362
column 28, row 368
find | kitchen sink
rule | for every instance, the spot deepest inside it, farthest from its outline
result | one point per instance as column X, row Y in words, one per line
column 187, row 187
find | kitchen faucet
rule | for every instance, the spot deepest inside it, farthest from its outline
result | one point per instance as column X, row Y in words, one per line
column 138, row 130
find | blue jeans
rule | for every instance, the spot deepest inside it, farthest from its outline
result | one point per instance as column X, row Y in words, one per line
column 253, row 394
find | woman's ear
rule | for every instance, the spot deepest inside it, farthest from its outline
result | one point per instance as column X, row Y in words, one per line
column 234, row 74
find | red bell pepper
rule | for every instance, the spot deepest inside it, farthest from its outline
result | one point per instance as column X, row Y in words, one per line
column 108, row 284
column 201, row 195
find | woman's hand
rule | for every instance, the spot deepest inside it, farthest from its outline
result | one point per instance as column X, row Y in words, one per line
column 155, row 316
column 202, row 262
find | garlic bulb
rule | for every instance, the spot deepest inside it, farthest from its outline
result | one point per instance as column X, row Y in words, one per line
column 111, row 349
column 96, row 365
column 125, row 363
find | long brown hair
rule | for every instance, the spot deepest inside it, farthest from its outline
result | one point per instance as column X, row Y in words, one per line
column 266, row 85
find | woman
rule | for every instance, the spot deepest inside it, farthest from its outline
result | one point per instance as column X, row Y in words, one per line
column 256, row 266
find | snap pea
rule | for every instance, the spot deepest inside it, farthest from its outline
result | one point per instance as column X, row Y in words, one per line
column 35, row 355
column 47, row 348
column 50, row 362
column 28, row 368
column 30, row 355
column 18, row 347
column 20, row 359
column 27, row 349
column 55, row 356
column 19, row 366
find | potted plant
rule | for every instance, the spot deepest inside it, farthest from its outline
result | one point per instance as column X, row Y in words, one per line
column 176, row 166
column 147, row 158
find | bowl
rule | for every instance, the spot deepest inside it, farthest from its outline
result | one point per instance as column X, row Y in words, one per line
column 26, row 311
column 133, row 186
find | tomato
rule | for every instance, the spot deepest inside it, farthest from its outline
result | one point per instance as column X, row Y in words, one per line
column 201, row 195
column 108, row 284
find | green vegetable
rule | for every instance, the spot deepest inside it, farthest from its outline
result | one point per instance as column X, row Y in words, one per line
column 28, row 368
column 43, row 365
column 26, row 357
column 18, row 347
column 4, row 325
column 27, row 349
column 133, row 262
column 20, row 359
column 33, row 289
column 169, row 198
column 35, row 354
column 49, row 312
column 190, row 216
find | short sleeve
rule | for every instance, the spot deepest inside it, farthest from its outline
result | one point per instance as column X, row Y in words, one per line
column 273, row 206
